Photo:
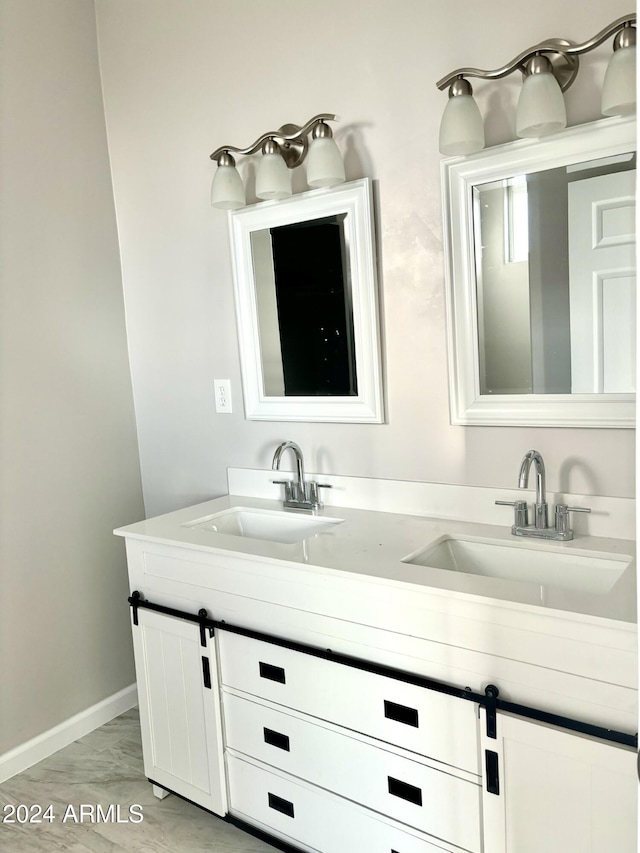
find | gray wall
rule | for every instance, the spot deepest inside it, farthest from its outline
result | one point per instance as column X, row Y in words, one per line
column 69, row 468
column 549, row 277
column 504, row 324
column 182, row 79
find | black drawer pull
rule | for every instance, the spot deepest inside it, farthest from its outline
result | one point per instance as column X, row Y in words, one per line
column 405, row 791
column 281, row 805
column 273, row 673
column 276, row 739
column 401, row 714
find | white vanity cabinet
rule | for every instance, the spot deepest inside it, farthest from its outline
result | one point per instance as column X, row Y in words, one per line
column 179, row 708
column 556, row 791
column 329, row 756
column 348, row 697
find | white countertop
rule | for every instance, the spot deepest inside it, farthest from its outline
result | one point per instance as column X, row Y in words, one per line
column 371, row 545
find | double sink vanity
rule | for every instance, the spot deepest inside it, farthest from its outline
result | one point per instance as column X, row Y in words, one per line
column 362, row 680
column 410, row 670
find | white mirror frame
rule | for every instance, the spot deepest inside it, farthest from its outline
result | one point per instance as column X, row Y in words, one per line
column 605, row 138
column 354, row 200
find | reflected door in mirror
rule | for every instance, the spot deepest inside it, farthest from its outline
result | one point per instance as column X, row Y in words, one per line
column 304, row 308
column 555, row 280
column 602, row 284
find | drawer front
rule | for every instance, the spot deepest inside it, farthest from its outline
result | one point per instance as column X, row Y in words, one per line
column 428, row 799
column 313, row 817
column 415, row 718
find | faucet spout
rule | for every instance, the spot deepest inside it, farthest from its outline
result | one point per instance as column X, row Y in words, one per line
column 541, row 513
column 298, row 494
column 277, row 456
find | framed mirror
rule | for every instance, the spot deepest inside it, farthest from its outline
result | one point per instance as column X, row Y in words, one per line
column 540, row 280
column 307, row 309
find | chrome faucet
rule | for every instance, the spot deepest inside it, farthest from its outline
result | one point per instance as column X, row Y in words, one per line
column 541, row 513
column 298, row 493
column 540, row 528
column 300, row 485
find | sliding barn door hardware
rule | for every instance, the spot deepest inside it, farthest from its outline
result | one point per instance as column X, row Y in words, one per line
column 490, row 699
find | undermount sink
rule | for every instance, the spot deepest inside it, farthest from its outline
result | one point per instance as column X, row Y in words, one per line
column 515, row 562
column 274, row 526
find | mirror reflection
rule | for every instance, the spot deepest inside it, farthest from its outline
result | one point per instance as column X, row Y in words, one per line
column 306, row 306
column 304, row 309
column 555, row 280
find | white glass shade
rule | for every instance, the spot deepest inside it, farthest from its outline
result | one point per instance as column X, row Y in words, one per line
column 541, row 109
column 619, row 87
column 461, row 129
column 227, row 189
column 273, row 179
column 324, row 163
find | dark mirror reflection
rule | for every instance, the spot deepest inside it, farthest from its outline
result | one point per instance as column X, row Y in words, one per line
column 305, row 311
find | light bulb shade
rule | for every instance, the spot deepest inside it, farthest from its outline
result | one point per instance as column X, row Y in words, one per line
column 541, row 108
column 461, row 129
column 619, row 87
column 227, row 189
column 273, row 178
column 324, row 163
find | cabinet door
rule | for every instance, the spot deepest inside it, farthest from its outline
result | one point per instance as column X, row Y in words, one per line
column 556, row 791
column 180, row 709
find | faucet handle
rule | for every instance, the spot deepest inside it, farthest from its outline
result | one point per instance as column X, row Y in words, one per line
column 562, row 518
column 521, row 514
column 313, row 492
column 288, row 487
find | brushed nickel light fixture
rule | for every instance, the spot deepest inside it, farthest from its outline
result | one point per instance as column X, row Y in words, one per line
column 282, row 150
column 548, row 68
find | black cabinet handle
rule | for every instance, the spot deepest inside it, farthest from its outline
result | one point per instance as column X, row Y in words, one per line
column 272, row 673
column 281, row 805
column 491, row 765
column 206, row 672
column 276, row 739
column 401, row 714
column 405, row 791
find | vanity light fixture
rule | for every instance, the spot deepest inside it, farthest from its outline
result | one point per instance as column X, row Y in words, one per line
column 282, row 150
column 549, row 68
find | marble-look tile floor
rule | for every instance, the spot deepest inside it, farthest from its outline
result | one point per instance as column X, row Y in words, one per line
column 105, row 768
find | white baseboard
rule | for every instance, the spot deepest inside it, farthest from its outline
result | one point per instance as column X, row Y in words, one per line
column 27, row 754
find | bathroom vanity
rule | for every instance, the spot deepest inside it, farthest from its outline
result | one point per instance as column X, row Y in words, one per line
column 376, row 682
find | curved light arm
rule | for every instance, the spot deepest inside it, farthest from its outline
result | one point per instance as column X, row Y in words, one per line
column 548, row 46
column 277, row 134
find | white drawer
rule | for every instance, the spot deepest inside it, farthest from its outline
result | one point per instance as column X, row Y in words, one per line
column 431, row 800
column 415, row 718
column 313, row 817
